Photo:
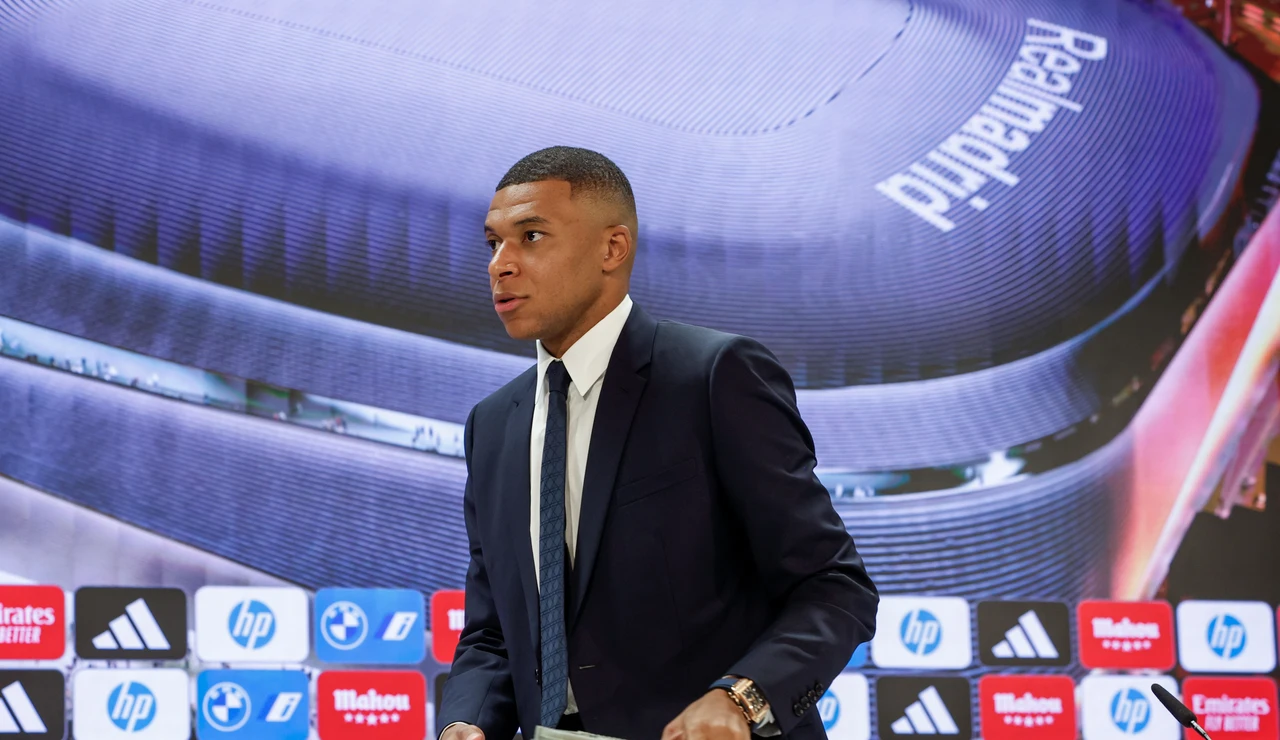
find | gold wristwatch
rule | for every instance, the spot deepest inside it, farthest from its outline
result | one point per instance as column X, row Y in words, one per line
column 747, row 696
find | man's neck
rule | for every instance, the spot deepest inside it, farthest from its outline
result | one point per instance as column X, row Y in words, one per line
column 557, row 347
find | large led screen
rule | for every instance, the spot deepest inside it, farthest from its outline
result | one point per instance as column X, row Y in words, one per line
column 1018, row 257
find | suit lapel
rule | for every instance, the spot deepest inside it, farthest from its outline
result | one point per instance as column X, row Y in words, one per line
column 619, row 397
column 515, row 455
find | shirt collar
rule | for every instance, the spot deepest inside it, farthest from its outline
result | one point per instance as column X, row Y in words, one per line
column 588, row 358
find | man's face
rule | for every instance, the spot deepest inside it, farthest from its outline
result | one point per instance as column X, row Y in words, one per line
column 547, row 252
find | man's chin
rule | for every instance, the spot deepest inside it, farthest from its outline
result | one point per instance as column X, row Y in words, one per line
column 523, row 331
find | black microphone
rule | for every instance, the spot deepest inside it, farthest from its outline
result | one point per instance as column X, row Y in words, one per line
column 1178, row 709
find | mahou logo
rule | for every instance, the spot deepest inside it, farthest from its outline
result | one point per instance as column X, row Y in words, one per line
column 33, row 623
column 1235, row 708
column 381, row 705
column 448, row 617
column 1126, row 635
column 1028, row 707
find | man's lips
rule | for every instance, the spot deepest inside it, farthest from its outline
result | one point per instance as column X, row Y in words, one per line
column 505, row 302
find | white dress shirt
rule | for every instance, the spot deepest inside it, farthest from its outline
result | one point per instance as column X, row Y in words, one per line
column 586, row 362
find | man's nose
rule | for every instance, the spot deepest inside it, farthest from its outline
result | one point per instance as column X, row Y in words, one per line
column 502, row 264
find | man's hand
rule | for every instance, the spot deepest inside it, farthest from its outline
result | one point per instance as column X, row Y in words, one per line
column 462, row 731
column 713, row 717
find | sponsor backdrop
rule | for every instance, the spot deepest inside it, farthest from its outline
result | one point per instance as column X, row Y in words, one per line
column 1018, row 257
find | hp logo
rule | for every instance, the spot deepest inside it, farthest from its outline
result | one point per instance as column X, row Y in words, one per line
column 252, row 624
column 344, row 625
column 921, row 631
column 226, row 706
column 132, row 706
column 829, row 710
column 1130, row 711
column 1226, row 636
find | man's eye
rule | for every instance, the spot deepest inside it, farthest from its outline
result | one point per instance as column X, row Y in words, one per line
column 533, row 236
column 493, row 245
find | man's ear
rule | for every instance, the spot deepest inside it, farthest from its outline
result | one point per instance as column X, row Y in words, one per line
column 619, row 246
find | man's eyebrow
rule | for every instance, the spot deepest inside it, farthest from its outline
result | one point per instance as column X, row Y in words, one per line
column 526, row 221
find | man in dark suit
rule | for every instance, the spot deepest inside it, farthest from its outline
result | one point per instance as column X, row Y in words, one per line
column 651, row 553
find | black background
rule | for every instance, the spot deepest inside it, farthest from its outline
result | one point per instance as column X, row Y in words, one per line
column 996, row 617
column 895, row 693
column 96, row 606
column 48, row 693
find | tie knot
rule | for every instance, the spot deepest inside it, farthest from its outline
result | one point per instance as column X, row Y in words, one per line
column 558, row 378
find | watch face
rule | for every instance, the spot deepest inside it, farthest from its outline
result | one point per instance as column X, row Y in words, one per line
column 753, row 701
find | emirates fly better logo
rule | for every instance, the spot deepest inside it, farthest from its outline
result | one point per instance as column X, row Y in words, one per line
column 1235, row 708
column 32, row 623
column 380, row 705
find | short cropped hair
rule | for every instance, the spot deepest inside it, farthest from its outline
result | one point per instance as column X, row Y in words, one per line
column 585, row 171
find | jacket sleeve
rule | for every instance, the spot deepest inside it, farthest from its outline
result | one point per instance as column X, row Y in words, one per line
column 479, row 689
column 805, row 557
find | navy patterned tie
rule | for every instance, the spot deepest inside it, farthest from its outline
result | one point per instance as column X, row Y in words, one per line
column 551, row 544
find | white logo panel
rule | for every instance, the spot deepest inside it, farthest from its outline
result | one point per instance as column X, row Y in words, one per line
column 922, row 632
column 1226, row 636
column 252, row 625
column 846, row 708
column 131, row 704
column 1123, row 708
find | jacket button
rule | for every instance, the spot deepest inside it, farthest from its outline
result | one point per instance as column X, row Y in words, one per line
column 797, row 709
column 537, row 675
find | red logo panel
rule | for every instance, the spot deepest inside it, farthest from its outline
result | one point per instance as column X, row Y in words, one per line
column 1126, row 634
column 372, row 705
column 448, row 615
column 1028, row 707
column 1232, row 708
column 33, row 623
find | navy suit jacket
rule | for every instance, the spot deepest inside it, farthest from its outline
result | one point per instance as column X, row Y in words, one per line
column 706, row 547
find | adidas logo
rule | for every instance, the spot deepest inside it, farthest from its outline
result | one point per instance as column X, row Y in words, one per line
column 1028, row 639
column 18, row 714
column 927, row 716
column 136, row 629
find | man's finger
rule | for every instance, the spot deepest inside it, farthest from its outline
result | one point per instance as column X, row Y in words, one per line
column 463, row 732
column 698, row 731
column 674, row 729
